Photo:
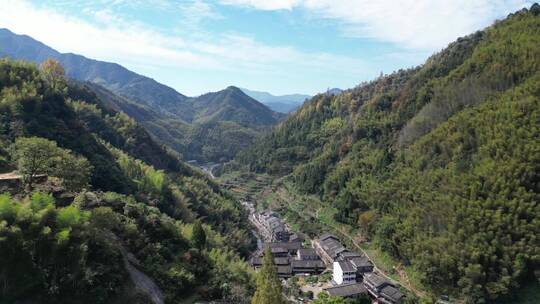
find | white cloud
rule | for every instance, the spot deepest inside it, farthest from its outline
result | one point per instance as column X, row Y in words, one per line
column 264, row 4
column 418, row 24
column 111, row 37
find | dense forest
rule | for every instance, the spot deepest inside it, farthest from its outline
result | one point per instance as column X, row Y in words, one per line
column 438, row 165
column 113, row 198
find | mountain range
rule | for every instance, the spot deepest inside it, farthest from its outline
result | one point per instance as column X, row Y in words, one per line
column 282, row 103
column 171, row 117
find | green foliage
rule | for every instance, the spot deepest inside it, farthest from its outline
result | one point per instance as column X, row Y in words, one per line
column 268, row 285
column 50, row 256
column 34, row 156
column 437, row 164
column 198, row 239
column 324, row 298
column 74, row 171
column 96, row 146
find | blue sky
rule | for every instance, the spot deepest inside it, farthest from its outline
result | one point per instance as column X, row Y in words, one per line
column 280, row 46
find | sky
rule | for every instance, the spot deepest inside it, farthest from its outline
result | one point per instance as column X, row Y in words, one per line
column 278, row 46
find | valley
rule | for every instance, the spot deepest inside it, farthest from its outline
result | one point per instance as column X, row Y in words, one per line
column 421, row 186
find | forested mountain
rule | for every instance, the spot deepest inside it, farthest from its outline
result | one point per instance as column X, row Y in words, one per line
column 189, row 126
column 115, row 200
column 112, row 76
column 438, row 164
column 232, row 104
column 282, row 103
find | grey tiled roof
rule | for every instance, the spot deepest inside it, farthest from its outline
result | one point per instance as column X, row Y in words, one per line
column 375, row 280
column 391, row 293
column 307, row 264
column 346, row 266
column 346, row 290
column 361, row 261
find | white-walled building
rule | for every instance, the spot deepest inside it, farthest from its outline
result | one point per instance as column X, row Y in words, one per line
column 344, row 273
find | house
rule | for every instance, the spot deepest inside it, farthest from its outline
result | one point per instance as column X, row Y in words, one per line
column 290, row 247
column 347, row 290
column 344, row 272
column 391, row 295
column 284, row 271
column 307, row 254
column 279, row 252
column 273, row 227
column 362, row 264
column 307, row 266
column 256, row 261
column 348, row 255
column 294, row 237
column 329, row 248
column 374, row 284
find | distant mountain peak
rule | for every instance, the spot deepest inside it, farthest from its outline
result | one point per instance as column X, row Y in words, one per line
column 282, row 103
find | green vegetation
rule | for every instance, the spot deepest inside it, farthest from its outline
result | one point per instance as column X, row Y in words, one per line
column 179, row 228
column 268, row 285
column 34, row 155
column 324, row 298
column 438, row 165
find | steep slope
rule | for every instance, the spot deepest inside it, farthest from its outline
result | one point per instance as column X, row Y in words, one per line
column 232, row 104
column 437, row 164
column 282, row 103
column 141, row 202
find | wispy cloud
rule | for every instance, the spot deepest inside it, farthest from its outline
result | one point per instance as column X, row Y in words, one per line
column 419, row 24
column 111, row 37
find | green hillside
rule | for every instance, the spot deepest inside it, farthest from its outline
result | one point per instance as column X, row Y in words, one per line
column 438, row 164
column 112, row 195
column 188, row 126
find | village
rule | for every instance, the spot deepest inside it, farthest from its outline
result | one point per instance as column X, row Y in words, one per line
column 344, row 272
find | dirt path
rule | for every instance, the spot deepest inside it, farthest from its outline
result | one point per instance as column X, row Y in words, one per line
column 142, row 282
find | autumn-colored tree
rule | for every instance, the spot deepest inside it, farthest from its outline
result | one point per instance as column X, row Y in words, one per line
column 268, row 285
column 54, row 74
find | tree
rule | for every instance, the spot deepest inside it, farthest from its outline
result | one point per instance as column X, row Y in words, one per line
column 324, row 298
column 268, row 285
column 73, row 170
column 33, row 155
column 199, row 236
column 54, row 74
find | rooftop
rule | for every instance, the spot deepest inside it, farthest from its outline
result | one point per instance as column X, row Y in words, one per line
column 346, row 290
column 375, row 280
column 391, row 293
column 361, row 261
column 307, row 251
column 286, row 245
column 346, row 266
column 328, row 236
column 349, row 254
column 307, row 264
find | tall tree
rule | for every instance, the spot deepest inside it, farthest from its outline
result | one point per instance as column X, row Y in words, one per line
column 268, row 285
column 199, row 236
column 34, row 155
column 54, row 74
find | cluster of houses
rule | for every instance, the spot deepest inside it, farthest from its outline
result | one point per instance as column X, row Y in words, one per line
column 273, row 228
column 291, row 258
column 353, row 273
